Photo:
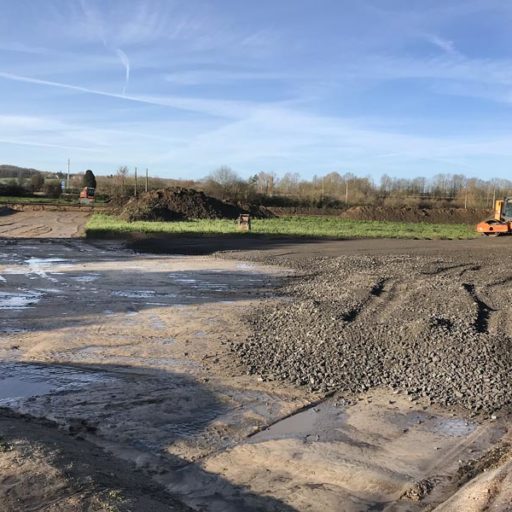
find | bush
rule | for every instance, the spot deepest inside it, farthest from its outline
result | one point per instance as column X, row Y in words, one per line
column 52, row 190
column 13, row 189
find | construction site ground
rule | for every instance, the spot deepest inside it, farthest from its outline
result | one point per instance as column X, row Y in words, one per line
column 120, row 391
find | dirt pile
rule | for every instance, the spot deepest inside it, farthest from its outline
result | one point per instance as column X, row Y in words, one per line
column 394, row 214
column 430, row 215
column 177, row 203
column 426, row 326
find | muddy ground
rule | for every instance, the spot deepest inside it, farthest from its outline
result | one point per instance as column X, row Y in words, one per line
column 393, row 214
column 120, row 390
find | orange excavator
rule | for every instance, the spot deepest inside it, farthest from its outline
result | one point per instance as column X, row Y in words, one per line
column 87, row 195
column 501, row 223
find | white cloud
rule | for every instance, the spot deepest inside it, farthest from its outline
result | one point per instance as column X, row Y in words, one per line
column 445, row 45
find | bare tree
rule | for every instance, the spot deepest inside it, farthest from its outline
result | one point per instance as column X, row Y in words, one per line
column 121, row 175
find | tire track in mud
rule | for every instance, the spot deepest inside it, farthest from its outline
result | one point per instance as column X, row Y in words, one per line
column 442, row 270
column 15, row 227
column 44, row 224
column 36, row 231
column 484, row 311
column 375, row 292
column 394, row 294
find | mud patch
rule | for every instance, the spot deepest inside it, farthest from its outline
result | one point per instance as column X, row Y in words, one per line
column 371, row 455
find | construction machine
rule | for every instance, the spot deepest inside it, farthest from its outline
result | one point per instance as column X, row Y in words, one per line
column 87, row 195
column 501, row 223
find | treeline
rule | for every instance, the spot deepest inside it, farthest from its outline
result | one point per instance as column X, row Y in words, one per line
column 333, row 190
column 26, row 182
column 15, row 172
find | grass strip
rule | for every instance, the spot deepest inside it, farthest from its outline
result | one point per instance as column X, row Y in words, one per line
column 315, row 227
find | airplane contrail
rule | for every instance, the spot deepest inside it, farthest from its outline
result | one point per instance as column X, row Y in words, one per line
column 229, row 109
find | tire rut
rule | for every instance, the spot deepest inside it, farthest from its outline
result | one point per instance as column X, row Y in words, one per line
column 375, row 292
column 484, row 311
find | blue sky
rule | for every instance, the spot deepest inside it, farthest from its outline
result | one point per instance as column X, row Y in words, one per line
column 403, row 87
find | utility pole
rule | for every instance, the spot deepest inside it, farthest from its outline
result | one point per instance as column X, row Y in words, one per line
column 67, row 180
column 135, row 181
column 147, row 179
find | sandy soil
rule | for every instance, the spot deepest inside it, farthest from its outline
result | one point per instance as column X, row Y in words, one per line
column 119, row 392
column 43, row 224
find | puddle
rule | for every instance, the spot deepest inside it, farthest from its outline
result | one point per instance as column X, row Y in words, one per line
column 134, row 294
column 39, row 262
column 12, row 330
column 455, row 427
column 40, row 266
column 14, row 388
column 220, row 281
column 319, row 421
column 18, row 300
column 330, row 422
column 21, row 381
column 86, row 278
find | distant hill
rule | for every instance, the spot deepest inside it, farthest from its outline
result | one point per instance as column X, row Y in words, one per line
column 13, row 171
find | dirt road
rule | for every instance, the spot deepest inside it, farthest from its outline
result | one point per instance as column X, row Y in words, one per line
column 288, row 248
column 120, row 391
column 34, row 223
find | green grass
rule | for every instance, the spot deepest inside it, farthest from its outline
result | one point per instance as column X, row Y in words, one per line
column 42, row 199
column 32, row 199
column 330, row 227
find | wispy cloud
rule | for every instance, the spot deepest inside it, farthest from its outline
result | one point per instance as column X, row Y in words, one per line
column 445, row 45
column 192, row 85
column 208, row 76
column 126, row 63
column 98, row 26
column 15, row 46
column 36, row 144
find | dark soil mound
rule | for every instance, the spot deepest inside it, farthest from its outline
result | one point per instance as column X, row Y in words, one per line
column 431, row 215
column 177, row 203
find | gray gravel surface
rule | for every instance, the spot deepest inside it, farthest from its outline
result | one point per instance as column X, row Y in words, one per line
column 432, row 327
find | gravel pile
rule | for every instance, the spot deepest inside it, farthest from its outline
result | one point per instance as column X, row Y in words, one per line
column 423, row 326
